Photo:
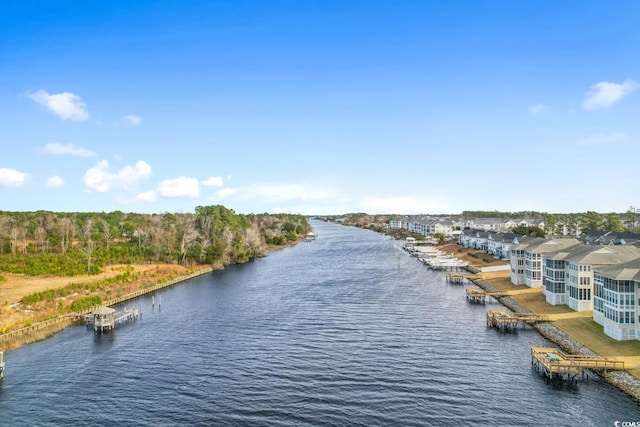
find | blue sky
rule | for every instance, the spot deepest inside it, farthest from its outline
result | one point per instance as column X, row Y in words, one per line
column 319, row 107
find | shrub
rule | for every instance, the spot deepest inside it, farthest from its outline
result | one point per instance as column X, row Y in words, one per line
column 86, row 303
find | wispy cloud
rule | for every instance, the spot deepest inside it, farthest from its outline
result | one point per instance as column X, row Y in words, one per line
column 54, row 182
column 323, row 198
column 603, row 139
column 66, row 105
column 101, row 180
column 69, row 149
column 213, row 181
column 182, row 187
column 12, row 178
column 413, row 204
column 605, row 94
column 147, row 197
column 224, row 193
column 274, row 193
column 537, row 108
column 132, row 119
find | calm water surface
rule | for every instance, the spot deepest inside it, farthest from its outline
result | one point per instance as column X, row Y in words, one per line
column 346, row 330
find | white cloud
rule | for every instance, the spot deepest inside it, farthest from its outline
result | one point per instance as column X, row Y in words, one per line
column 147, row 196
column 12, row 178
column 54, row 182
column 129, row 176
column 605, row 94
column 224, row 193
column 98, row 178
column 537, row 108
column 70, row 149
column 101, row 180
column 411, row 204
column 323, row 198
column 179, row 187
column 603, row 139
column 274, row 193
column 132, row 119
column 283, row 192
column 66, row 105
column 213, row 181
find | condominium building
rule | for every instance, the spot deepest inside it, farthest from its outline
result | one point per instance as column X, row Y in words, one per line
column 533, row 252
column 568, row 273
column 616, row 304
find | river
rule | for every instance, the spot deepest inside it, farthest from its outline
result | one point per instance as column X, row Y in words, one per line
column 344, row 330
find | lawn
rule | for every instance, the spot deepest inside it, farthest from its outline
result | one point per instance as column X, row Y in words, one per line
column 590, row 334
column 580, row 327
column 537, row 303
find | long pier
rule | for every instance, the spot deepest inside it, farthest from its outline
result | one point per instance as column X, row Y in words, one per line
column 555, row 365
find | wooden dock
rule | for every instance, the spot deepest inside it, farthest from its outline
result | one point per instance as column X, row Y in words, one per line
column 105, row 319
column 555, row 365
column 455, row 278
column 475, row 295
column 80, row 316
column 507, row 321
column 502, row 320
column 478, row 296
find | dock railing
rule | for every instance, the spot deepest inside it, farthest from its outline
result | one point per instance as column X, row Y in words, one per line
column 81, row 314
column 557, row 361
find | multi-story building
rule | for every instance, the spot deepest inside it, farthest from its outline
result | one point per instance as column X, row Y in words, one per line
column 517, row 260
column 533, row 252
column 616, row 304
column 503, row 249
column 568, row 273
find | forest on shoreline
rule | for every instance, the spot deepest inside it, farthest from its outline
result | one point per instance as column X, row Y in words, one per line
column 88, row 257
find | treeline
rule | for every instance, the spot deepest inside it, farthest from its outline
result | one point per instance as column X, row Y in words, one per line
column 588, row 221
column 44, row 242
column 502, row 215
column 554, row 224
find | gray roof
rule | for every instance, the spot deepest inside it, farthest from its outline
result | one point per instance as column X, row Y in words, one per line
column 526, row 242
column 549, row 245
column 625, row 271
column 502, row 237
column 103, row 310
column 596, row 255
column 528, row 239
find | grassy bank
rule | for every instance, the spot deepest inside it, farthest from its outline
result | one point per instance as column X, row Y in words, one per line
column 580, row 326
column 34, row 336
column 30, row 330
column 115, row 282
